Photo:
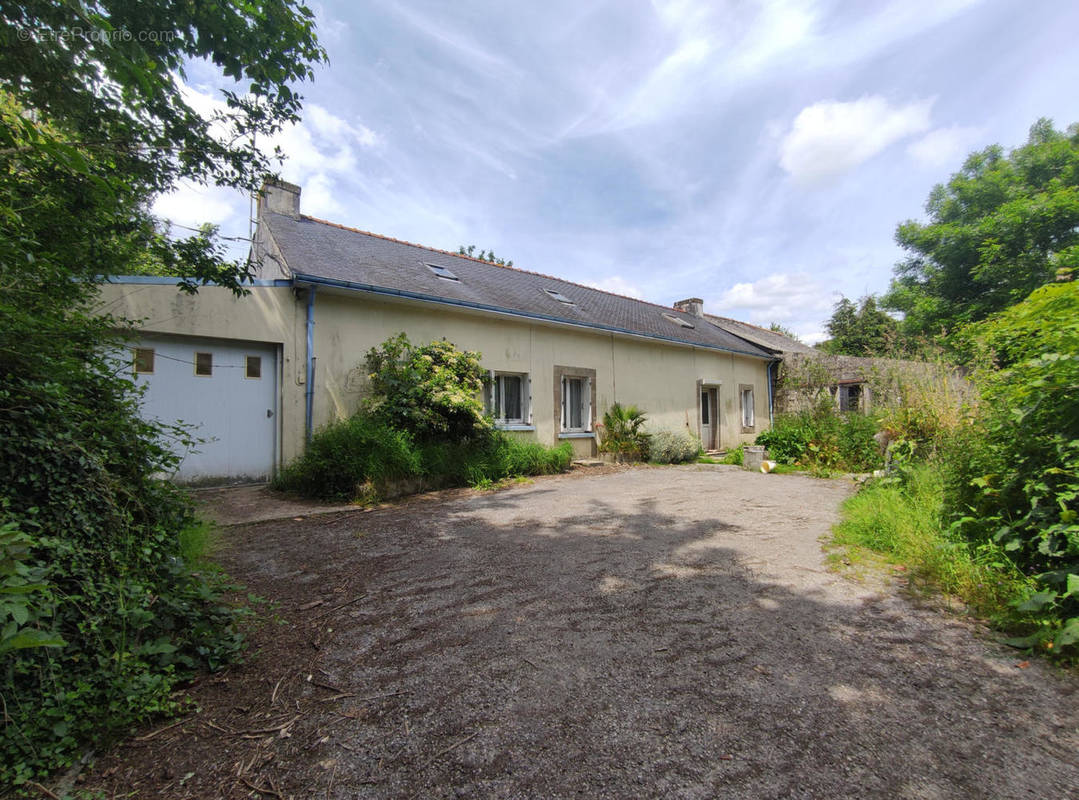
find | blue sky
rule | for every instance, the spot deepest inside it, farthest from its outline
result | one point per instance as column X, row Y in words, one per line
column 757, row 155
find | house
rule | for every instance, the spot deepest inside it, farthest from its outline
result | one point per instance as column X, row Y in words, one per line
column 259, row 374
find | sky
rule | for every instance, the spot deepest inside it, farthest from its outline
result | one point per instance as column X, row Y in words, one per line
column 758, row 155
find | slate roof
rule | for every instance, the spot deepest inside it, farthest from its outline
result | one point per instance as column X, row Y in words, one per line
column 762, row 337
column 328, row 252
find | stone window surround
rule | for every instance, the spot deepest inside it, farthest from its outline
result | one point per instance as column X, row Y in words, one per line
column 573, row 372
column 742, row 387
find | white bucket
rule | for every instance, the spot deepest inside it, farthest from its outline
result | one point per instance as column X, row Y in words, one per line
column 767, row 466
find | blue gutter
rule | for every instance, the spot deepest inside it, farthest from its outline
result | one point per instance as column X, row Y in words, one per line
column 164, row 280
column 309, row 395
column 315, row 280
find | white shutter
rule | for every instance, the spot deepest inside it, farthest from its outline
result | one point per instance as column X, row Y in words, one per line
column 489, row 394
column 564, row 402
column 526, row 394
column 587, row 403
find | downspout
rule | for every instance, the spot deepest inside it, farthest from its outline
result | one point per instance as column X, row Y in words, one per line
column 309, row 395
column 771, row 394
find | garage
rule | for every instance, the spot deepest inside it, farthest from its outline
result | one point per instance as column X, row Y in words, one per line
column 225, row 391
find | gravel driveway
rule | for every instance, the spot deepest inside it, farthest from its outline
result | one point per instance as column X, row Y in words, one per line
column 646, row 632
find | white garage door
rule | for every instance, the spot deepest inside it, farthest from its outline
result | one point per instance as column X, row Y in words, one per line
column 227, row 390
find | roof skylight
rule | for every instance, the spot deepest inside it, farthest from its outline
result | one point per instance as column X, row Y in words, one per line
column 561, row 298
column 685, row 323
column 442, row 272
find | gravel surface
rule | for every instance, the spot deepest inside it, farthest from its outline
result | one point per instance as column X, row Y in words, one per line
column 649, row 632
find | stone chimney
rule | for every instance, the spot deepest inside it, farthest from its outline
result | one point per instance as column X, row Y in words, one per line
column 280, row 197
column 691, row 305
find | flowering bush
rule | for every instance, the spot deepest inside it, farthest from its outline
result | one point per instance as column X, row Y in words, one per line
column 433, row 391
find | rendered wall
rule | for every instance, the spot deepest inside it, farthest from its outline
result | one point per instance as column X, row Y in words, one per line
column 662, row 379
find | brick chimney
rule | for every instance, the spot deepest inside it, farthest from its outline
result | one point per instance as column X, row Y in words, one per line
column 691, row 305
column 280, row 197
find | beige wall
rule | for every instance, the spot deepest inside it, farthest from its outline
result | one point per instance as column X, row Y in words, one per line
column 662, row 379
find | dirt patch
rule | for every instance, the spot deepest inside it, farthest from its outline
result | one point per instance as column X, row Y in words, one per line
column 631, row 633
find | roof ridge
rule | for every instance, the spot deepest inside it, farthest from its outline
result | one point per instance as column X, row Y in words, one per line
column 748, row 324
column 363, row 232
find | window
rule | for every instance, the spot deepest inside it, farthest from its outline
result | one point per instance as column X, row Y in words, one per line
column 561, row 298
column 253, row 367
column 850, row 398
column 704, row 408
column 685, row 323
column 508, row 398
column 144, row 361
column 746, row 393
column 204, row 364
column 442, row 272
column 576, row 404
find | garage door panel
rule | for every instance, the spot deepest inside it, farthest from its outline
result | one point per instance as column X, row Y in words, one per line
column 225, row 408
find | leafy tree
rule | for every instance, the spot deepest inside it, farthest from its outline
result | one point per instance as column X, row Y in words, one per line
column 779, row 328
column 484, row 255
column 94, row 122
column 1002, row 226
column 862, row 330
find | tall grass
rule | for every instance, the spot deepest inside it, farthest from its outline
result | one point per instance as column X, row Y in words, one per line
column 900, row 518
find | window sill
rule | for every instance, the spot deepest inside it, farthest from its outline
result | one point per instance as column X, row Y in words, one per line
column 576, row 435
column 514, row 426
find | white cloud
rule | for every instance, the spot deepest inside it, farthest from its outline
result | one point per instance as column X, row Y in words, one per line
column 945, row 147
column 192, row 205
column 831, row 137
column 318, row 150
column 618, row 285
column 793, row 299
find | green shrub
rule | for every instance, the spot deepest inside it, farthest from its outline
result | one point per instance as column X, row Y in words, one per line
column 673, row 447
column 423, row 422
column 344, row 455
column 432, row 391
column 1013, row 472
column 824, row 439
column 622, row 433
column 347, row 459
column 788, row 438
column 735, row 456
column 91, row 556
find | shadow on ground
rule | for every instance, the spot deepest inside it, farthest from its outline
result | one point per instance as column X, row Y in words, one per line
column 648, row 634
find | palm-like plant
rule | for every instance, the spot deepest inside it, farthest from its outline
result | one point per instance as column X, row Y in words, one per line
column 623, row 435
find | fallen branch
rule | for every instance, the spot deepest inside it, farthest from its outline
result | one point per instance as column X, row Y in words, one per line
column 329, row 611
column 256, row 733
column 260, row 790
column 160, row 730
column 363, row 700
column 273, row 697
column 445, row 750
column 43, row 790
